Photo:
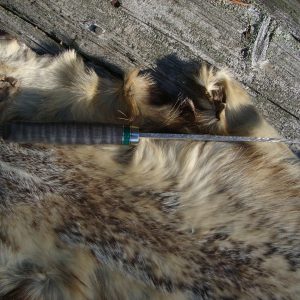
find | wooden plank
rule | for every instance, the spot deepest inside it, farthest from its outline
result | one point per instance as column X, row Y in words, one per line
column 170, row 36
column 31, row 35
column 287, row 12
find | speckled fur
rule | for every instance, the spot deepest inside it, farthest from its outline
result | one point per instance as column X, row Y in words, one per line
column 161, row 220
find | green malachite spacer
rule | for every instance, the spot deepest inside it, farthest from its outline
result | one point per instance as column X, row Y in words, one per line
column 126, row 135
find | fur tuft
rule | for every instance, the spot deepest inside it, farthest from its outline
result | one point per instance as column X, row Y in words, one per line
column 237, row 115
column 136, row 92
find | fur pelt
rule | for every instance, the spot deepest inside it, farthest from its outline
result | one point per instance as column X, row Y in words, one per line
column 160, row 220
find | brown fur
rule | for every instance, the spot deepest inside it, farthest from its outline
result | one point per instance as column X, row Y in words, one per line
column 160, row 220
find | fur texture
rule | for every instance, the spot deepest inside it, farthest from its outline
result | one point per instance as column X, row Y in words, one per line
column 160, row 220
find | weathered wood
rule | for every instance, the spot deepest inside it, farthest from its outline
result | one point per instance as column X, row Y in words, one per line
column 287, row 12
column 259, row 43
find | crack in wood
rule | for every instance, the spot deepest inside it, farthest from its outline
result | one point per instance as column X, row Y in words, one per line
column 261, row 44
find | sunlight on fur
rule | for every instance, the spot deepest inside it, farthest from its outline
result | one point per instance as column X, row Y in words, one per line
column 160, row 220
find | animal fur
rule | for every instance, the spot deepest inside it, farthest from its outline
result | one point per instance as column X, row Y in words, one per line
column 160, row 220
